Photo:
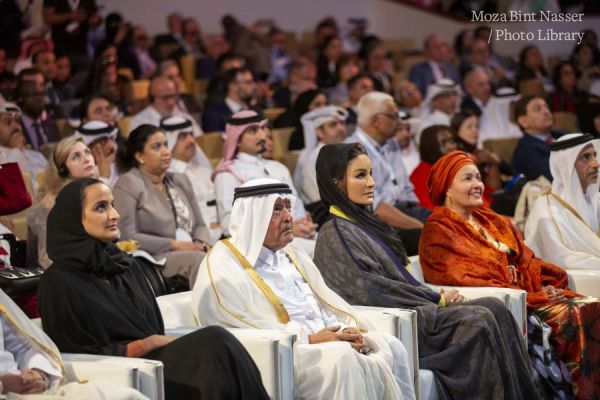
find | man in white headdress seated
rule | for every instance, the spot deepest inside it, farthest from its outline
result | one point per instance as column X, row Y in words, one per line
column 245, row 143
column 564, row 224
column 189, row 159
column 30, row 363
column 260, row 279
column 440, row 104
column 323, row 125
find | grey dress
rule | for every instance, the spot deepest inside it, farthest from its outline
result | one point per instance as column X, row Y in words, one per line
column 147, row 217
column 474, row 349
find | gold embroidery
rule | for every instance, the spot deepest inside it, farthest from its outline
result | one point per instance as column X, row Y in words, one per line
column 572, row 210
column 282, row 313
column 55, row 357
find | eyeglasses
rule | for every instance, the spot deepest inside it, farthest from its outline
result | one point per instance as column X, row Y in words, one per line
column 393, row 116
column 407, row 93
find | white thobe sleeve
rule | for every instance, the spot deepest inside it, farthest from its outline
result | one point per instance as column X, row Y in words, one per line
column 225, row 184
column 25, row 355
column 548, row 244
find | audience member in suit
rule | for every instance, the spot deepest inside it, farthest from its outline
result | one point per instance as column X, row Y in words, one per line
column 64, row 83
column 216, row 90
column 240, row 87
column 358, row 86
column 438, row 65
column 375, row 56
column 478, row 91
column 37, row 129
column 480, row 57
column 216, row 46
column 532, row 154
column 174, row 25
column 45, row 62
column 163, row 103
column 187, row 103
column 302, row 77
column 54, row 110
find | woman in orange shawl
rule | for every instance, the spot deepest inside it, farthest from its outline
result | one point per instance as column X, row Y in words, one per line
column 466, row 244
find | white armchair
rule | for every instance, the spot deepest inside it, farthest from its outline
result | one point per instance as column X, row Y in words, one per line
column 585, row 281
column 272, row 351
column 515, row 300
column 402, row 324
column 141, row 374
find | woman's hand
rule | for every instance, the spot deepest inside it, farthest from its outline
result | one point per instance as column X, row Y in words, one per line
column 452, row 296
column 554, row 294
column 156, row 342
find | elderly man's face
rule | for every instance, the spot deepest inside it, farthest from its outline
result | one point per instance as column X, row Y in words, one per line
column 279, row 233
column 587, row 166
column 11, row 134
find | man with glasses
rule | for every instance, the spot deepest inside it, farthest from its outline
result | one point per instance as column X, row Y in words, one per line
column 164, row 101
column 395, row 200
column 35, row 122
column 240, row 95
column 13, row 145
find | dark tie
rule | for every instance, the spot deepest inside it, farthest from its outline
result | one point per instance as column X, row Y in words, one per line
column 39, row 133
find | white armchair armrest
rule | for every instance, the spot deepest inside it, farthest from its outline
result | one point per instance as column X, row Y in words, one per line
column 272, row 351
column 138, row 373
column 514, row 299
column 585, row 281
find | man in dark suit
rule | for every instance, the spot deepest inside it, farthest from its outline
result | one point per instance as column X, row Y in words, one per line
column 532, row 154
column 240, row 87
column 37, row 127
column 438, row 65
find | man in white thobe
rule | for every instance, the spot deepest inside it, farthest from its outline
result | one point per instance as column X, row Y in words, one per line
column 164, row 102
column 564, row 224
column 13, row 144
column 260, row 279
column 245, row 140
column 30, row 364
column 101, row 138
column 440, row 104
column 189, row 159
column 323, row 125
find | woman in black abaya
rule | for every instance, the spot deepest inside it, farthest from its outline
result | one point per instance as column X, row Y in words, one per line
column 94, row 299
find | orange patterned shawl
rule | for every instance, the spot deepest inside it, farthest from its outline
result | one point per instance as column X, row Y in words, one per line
column 453, row 253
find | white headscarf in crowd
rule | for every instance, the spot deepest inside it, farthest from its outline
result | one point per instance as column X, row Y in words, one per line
column 94, row 130
column 496, row 121
column 251, row 213
column 175, row 125
column 566, row 182
column 317, row 118
column 434, row 90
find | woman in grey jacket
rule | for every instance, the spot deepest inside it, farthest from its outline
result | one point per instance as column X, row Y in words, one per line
column 157, row 207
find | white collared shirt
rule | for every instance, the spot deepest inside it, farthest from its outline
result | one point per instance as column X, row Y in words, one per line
column 234, row 106
column 293, row 291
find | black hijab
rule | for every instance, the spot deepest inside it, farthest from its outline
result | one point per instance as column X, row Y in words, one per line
column 68, row 243
column 94, row 298
column 332, row 162
column 301, row 107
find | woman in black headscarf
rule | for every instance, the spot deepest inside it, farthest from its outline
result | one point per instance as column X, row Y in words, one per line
column 94, row 299
column 305, row 102
column 474, row 350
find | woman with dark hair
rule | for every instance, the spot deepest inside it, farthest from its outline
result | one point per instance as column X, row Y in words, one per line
column 531, row 65
column 586, row 65
column 474, row 348
column 347, row 67
column 329, row 54
column 158, row 208
column 465, row 126
column 305, row 102
column 103, row 78
column 436, row 141
column 95, row 299
column 566, row 96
